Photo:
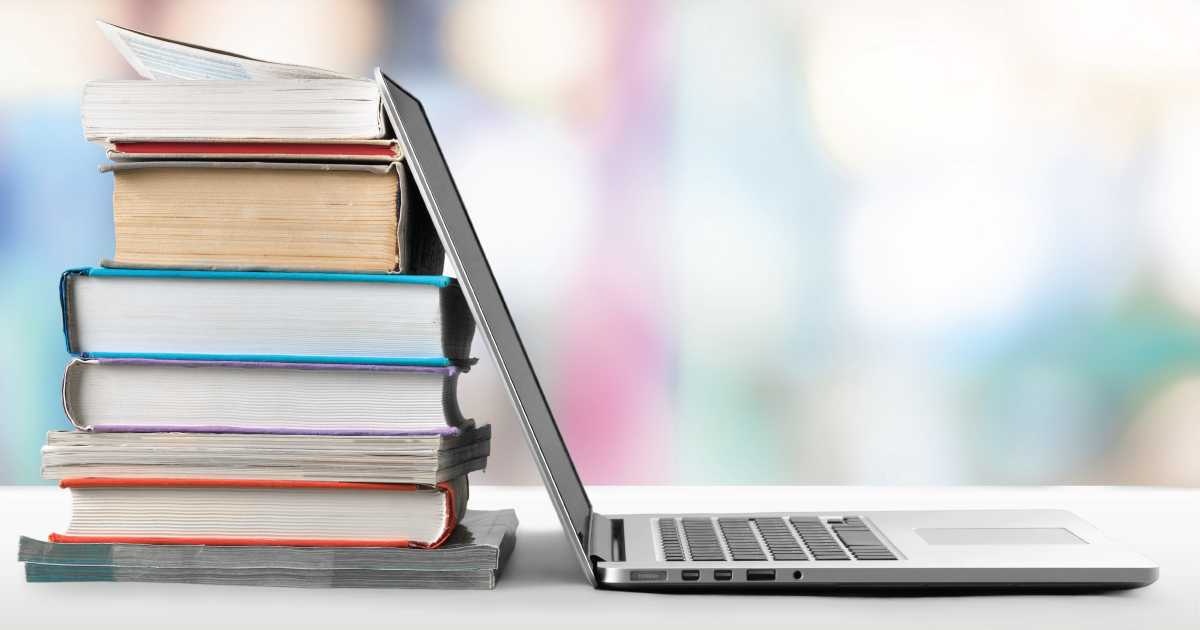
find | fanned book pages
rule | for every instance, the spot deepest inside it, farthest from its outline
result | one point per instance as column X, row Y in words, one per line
column 160, row 58
column 471, row 557
column 200, row 93
column 268, row 216
column 280, row 317
column 289, row 513
column 413, row 459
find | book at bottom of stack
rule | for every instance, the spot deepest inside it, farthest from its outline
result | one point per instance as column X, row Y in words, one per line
column 471, row 557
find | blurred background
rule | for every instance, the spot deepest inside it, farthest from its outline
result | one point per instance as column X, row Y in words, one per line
column 853, row 242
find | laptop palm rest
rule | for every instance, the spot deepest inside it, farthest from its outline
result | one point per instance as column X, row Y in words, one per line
column 1000, row 536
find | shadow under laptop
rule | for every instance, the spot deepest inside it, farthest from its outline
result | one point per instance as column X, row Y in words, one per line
column 540, row 558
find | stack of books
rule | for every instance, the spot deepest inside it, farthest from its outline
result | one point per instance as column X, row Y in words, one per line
column 264, row 376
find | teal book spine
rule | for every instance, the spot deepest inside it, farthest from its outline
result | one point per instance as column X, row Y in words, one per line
column 433, row 281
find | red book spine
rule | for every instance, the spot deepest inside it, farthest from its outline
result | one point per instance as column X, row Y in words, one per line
column 256, row 148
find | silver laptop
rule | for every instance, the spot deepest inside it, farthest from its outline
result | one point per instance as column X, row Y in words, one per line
column 798, row 551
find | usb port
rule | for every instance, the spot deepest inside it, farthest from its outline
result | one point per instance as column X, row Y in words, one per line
column 760, row 575
column 691, row 575
column 723, row 575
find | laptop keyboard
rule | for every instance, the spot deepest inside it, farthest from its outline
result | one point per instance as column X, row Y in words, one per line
column 860, row 540
column 672, row 548
column 701, row 539
column 743, row 544
column 769, row 538
column 781, row 544
column 818, row 539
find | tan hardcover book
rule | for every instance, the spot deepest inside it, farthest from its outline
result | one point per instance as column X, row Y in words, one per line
column 271, row 216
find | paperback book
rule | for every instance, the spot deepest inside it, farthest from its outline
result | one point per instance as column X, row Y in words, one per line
column 473, row 556
column 407, row 459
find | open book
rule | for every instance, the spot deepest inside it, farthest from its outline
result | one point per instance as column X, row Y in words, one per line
column 213, row 104
column 164, row 59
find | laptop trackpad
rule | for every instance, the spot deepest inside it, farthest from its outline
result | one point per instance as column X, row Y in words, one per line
column 1000, row 536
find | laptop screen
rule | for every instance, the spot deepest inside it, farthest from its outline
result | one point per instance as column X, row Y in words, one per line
column 492, row 318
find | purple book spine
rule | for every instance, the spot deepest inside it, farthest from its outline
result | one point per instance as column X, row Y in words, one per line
column 114, row 428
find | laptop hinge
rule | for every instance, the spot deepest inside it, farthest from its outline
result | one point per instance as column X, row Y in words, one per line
column 606, row 539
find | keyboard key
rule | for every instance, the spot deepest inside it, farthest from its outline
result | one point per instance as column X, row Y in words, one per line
column 743, row 544
column 859, row 537
column 780, row 542
column 702, row 540
column 672, row 546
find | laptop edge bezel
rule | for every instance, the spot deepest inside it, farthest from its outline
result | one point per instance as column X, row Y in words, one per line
column 577, row 533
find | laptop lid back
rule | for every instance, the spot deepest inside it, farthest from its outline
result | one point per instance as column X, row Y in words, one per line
column 437, row 188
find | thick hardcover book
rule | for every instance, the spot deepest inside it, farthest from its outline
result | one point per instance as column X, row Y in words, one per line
column 414, row 459
column 257, row 316
column 471, row 557
column 264, row 513
column 271, row 216
column 138, row 394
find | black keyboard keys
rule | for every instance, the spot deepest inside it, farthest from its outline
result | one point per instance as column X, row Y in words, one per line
column 702, row 540
column 780, row 542
column 822, row 545
column 672, row 546
column 743, row 544
column 860, row 540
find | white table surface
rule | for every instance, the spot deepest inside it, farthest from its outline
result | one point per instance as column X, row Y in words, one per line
column 543, row 587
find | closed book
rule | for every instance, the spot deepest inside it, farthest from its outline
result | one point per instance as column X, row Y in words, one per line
column 417, row 459
column 256, row 316
column 136, row 394
column 255, row 149
column 272, row 108
column 472, row 557
column 481, row 540
column 271, row 216
column 289, row 513
column 464, row 579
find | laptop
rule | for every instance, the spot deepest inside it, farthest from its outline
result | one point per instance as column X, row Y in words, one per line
column 793, row 551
